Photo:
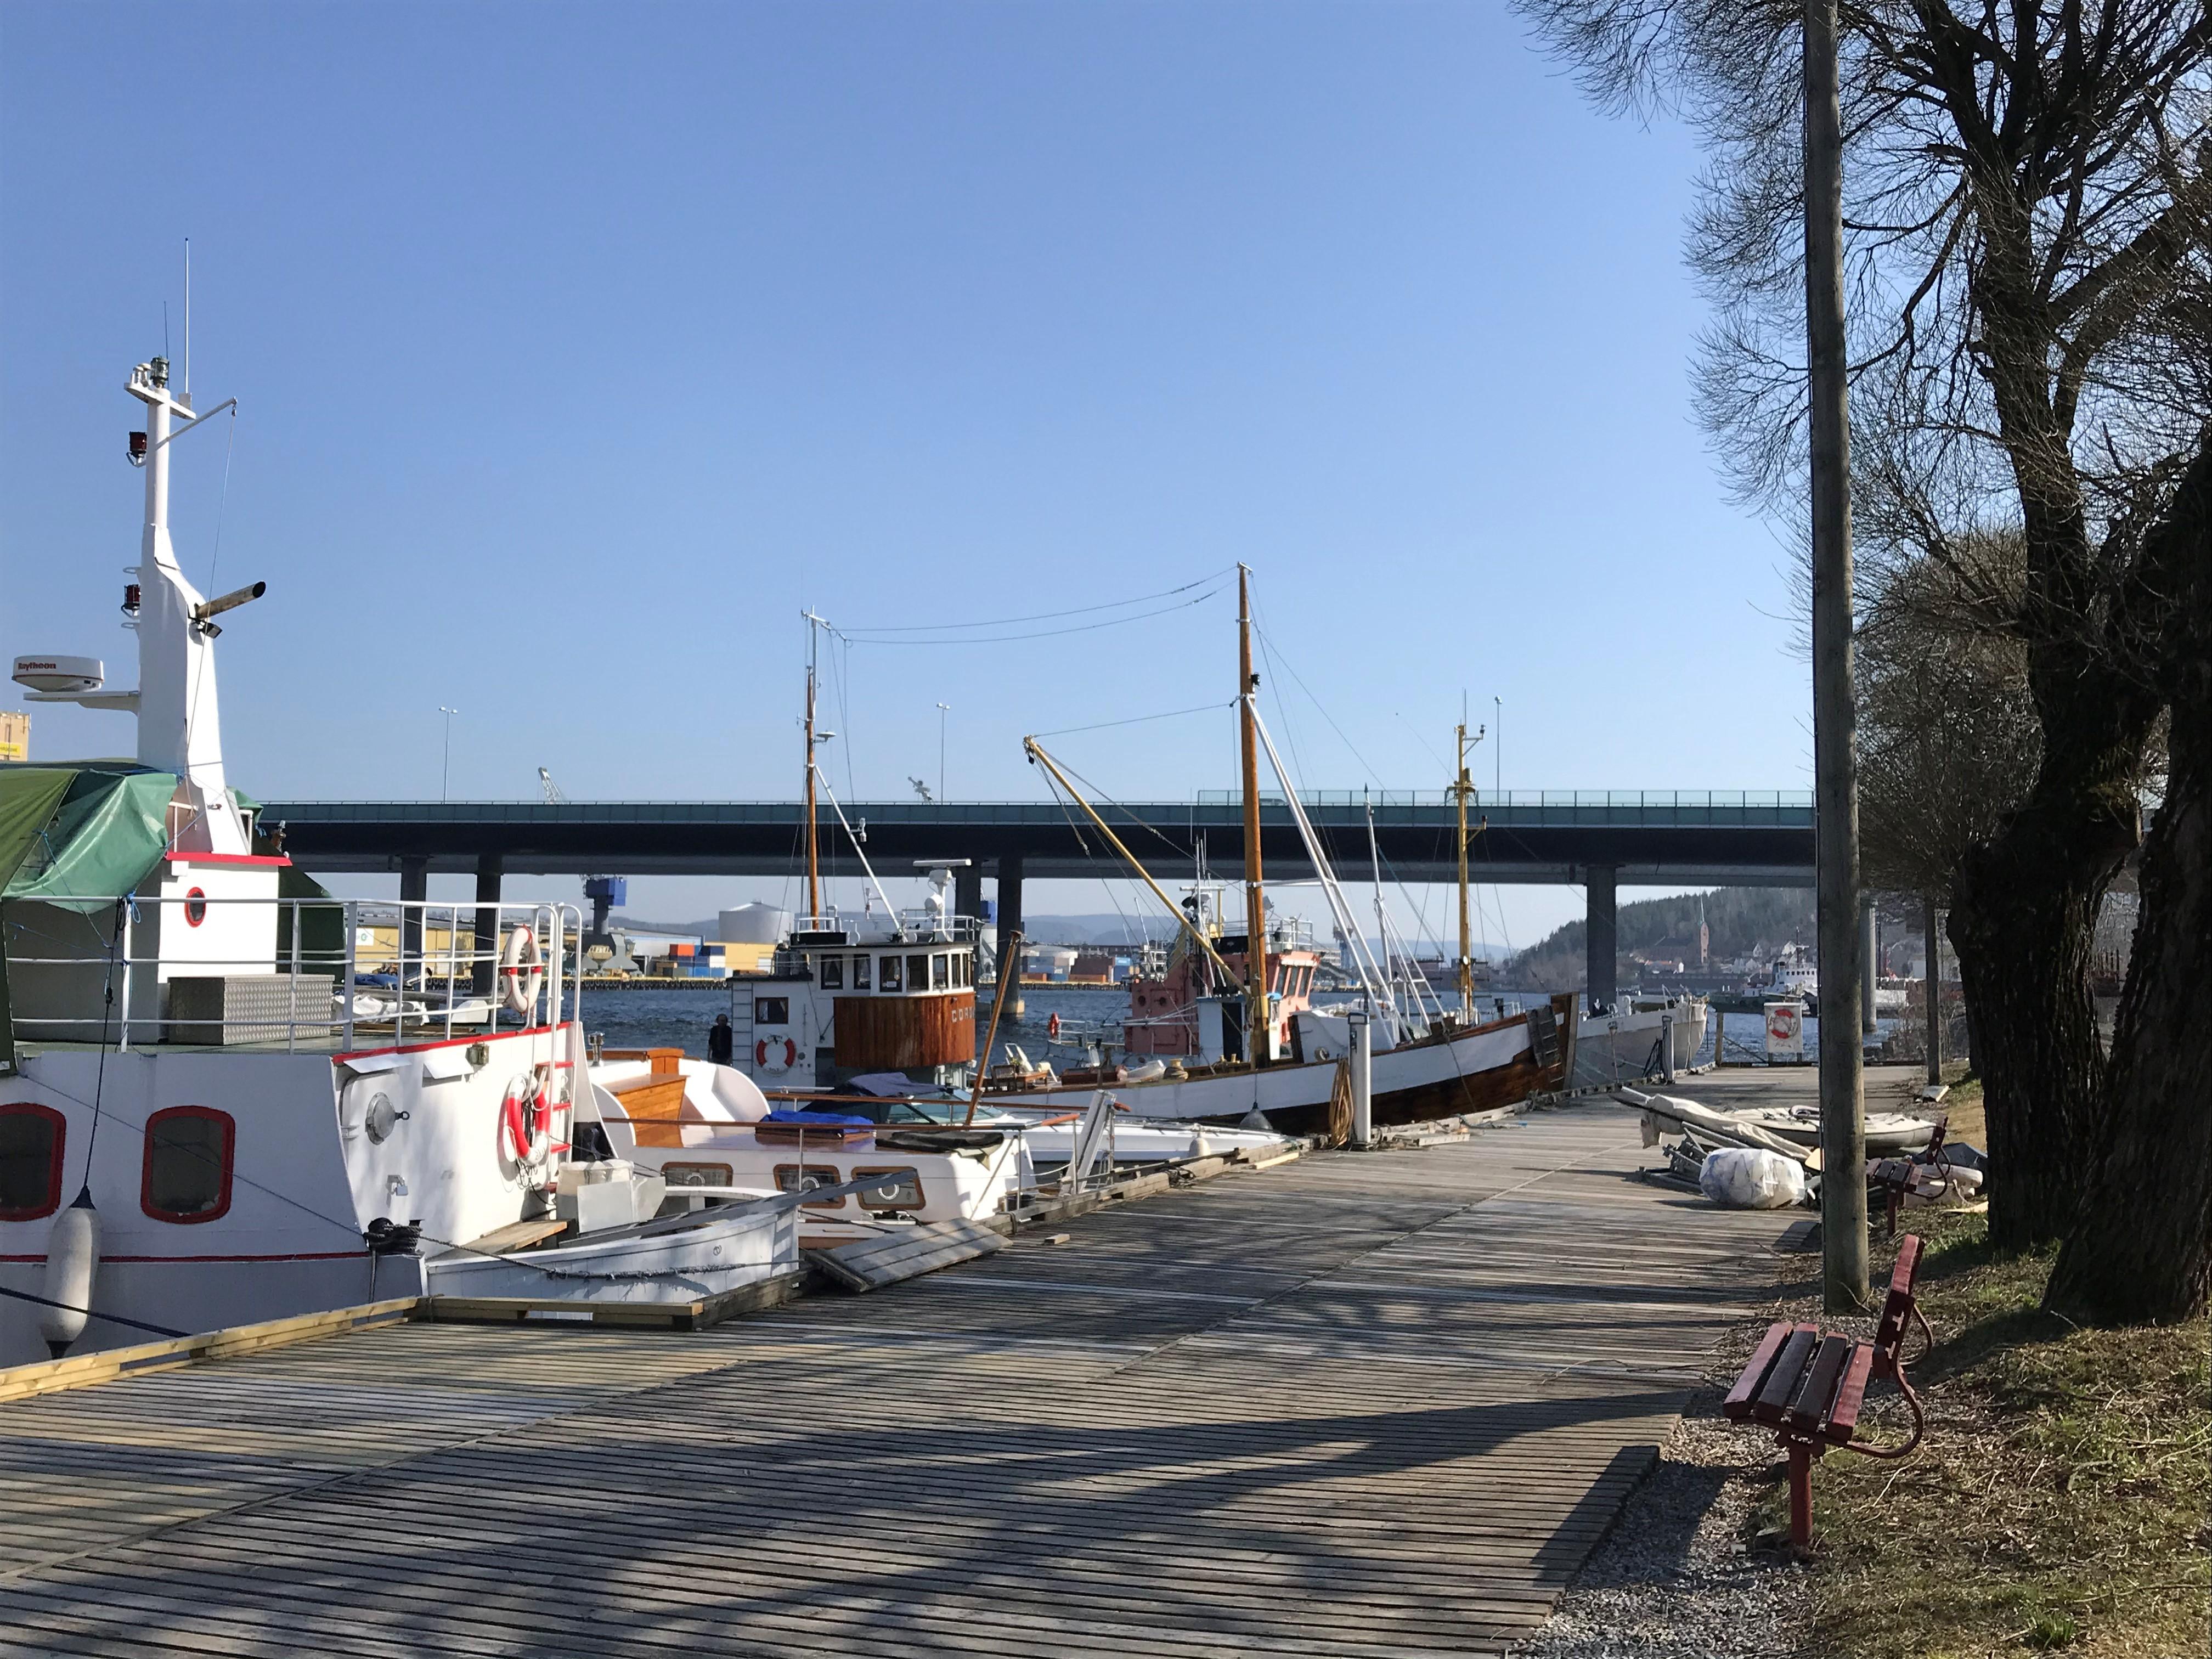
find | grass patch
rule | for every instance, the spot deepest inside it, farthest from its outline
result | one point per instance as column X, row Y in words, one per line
column 2060, row 1502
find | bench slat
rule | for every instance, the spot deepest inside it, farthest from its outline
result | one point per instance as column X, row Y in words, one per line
column 1782, row 1381
column 1844, row 1420
column 1808, row 1414
column 1737, row 1406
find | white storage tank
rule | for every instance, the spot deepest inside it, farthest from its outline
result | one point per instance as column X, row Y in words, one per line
column 754, row 924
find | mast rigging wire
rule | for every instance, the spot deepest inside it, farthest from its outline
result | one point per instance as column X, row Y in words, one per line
column 1049, row 615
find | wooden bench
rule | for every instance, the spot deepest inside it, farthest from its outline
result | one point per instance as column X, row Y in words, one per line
column 1809, row 1386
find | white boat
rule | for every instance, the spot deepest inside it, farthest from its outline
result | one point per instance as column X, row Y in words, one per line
column 723, row 1248
column 209, row 1119
column 1624, row 1044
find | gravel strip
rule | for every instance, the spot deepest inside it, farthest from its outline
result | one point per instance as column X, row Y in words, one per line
column 1673, row 1579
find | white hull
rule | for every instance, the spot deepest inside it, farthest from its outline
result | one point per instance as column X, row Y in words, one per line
column 719, row 1253
column 1622, row 1048
column 1433, row 1068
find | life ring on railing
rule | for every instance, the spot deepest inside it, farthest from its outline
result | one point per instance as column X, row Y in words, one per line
column 521, row 971
column 775, row 1053
column 1052, row 1028
column 525, row 1118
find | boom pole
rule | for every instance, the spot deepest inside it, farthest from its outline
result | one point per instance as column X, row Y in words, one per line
column 1462, row 787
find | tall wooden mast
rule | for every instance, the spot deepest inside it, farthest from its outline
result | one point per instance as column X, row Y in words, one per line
column 813, row 850
column 1462, row 787
column 1255, row 915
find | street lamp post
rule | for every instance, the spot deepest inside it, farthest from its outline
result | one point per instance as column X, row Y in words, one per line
column 446, row 768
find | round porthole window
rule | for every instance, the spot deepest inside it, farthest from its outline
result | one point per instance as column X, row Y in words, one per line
column 195, row 907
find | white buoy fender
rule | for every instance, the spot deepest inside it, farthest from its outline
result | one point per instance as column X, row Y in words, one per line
column 72, row 1258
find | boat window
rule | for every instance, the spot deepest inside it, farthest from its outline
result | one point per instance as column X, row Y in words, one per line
column 771, row 1011
column 890, row 979
column 187, row 1172
column 832, row 973
column 917, row 973
column 31, row 1139
column 697, row 1175
column 790, row 1178
column 940, row 972
column 860, row 973
column 901, row 1190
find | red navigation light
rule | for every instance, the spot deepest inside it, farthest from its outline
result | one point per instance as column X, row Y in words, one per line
column 137, row 449
column 130, row 598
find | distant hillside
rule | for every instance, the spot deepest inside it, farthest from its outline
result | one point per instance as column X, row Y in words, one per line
column 1739, row 918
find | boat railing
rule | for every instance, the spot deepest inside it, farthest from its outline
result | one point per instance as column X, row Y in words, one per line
column 313, row 974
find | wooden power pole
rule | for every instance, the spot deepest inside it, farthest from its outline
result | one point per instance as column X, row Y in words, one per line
column 1255, row 914
column 1835, row 718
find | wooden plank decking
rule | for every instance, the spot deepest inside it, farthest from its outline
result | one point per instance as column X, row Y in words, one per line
column 1360, row 1404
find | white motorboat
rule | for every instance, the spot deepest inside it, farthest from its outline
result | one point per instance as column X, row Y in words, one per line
column 1630, row 1043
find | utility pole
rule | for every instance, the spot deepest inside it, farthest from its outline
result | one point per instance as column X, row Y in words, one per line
column 1835, row 718
column 1255, row 915
column 446, row 768
column 942, row 709
column 1497, row 747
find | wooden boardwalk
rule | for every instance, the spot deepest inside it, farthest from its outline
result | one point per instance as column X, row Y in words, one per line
column 1360, row 1404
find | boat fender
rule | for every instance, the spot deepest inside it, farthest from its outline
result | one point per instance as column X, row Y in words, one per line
column 776, row 1054
column 72, row 1259
column 521, row 971
column 526, row 1120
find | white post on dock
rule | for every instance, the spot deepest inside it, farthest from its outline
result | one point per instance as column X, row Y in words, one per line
column 1667, row 1049
column 1363, row 1097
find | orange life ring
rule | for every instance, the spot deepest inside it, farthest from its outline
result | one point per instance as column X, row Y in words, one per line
column 1052, row 1028
column 775, row 1053
column 525, row 1116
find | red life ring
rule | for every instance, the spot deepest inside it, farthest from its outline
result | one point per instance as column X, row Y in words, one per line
column 775, row 1053
column 521, row 971
column 525, row 1116
column 1052, row 1028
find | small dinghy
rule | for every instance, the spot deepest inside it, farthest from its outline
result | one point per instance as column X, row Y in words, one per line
column 1887, row 1133
column 675, row 1258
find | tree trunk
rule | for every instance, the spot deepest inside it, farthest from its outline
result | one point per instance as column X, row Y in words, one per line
column 2022, row 922
column 2143, row 1250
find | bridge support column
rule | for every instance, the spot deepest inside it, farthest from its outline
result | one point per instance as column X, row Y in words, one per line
column 1602, row 881
column 491, row 869
column 414, row 889
column 968, row 891
column 1010, row 922
column 1869, row 967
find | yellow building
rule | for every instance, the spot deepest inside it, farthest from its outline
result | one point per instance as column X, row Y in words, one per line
column 14, row 735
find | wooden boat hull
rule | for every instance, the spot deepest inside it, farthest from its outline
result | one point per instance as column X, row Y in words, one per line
column 1474, row 1070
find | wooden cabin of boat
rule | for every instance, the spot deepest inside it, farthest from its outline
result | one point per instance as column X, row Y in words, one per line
column 847, row 997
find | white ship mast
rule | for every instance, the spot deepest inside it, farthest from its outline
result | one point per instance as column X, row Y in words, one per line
column 180, row 722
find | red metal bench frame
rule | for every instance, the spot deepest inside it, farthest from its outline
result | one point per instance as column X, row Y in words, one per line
column 1809, row 1387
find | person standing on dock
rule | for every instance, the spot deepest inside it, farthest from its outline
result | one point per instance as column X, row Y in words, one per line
column 720, row 1039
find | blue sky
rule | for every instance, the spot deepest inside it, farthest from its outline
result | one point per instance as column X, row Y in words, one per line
column 579, row 347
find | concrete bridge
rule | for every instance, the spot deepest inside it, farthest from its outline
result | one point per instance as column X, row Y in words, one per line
column 1596, row 839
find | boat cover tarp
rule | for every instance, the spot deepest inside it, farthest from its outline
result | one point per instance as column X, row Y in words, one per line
column 29, row 796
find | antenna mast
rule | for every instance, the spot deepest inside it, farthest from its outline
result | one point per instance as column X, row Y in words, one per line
column 1256, row 916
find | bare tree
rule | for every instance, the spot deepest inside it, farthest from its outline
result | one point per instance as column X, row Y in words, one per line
column 2027, row 207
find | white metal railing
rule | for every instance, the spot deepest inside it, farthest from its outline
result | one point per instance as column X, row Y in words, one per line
column 444, row 972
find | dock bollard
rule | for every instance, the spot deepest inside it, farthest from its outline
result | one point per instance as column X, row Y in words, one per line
column 1362, row 1097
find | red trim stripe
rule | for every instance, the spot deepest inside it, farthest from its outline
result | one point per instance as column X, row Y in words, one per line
column 230, row 858
column 449, row 1042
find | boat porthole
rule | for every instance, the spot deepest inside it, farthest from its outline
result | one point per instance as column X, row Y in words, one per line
column 195, row 907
